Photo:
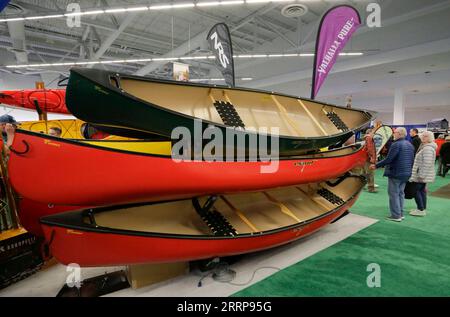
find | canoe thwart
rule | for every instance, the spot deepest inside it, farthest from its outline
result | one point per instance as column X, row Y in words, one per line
column 310, row 115
column 285, row 114
column 241, row 215
column 284, row 209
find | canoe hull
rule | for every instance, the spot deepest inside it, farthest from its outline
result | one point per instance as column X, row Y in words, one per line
column 90, row 248
column 65, row 172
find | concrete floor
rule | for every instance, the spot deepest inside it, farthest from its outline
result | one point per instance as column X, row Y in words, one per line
column 250, row 269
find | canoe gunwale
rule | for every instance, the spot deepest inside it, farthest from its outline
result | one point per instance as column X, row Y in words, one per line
column 86, row 143
column 105, row 82
column 77, row 223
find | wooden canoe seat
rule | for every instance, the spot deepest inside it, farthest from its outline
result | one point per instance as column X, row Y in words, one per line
column 215, row 221
column 228, row 114
column 330, row 196
column 337, row 121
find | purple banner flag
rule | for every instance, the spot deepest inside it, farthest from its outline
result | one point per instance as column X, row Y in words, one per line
column 336, row 28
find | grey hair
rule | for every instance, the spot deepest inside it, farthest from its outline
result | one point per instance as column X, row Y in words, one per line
column 401, row 131
column 430, row 136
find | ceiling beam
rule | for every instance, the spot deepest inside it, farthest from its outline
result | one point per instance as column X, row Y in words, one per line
column 17, row 34
column 112, row 37
column 277, row 32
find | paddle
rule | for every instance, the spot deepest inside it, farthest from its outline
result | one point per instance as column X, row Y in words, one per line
column 381, row 136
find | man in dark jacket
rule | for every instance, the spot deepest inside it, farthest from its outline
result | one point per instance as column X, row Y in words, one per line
column 444, row 157
column 398, row 168
column 415, row 139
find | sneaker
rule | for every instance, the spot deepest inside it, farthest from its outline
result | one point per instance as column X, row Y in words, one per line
column 403, row 218
column 375, row 185
column 394, row 219
column 418, row 213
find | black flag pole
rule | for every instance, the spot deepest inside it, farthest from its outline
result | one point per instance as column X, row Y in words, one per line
column 219, row 40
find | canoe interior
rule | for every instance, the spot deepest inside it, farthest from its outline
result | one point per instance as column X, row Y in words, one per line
column 255, row 109
column 263, row 211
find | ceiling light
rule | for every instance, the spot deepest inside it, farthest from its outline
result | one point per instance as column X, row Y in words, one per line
column 137, row 9
column 93, row 12
column 158, row 59
column 265, row 1
column 12, row 19
column 115, row 10
column 208, row 4
column 231, row 2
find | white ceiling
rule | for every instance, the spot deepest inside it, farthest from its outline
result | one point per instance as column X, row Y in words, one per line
column 414, row 39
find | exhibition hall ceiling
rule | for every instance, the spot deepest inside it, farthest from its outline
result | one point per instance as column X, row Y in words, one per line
column 411, row 49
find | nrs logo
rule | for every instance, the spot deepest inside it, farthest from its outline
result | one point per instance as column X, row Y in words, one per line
column 218, row 46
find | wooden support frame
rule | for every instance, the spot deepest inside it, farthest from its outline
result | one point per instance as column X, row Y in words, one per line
column 317, row 123
column 312, row 199
column 240, row 214
column 286, row 115
column 284, row 209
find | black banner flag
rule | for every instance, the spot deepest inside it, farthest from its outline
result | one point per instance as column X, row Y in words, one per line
column 219, row 40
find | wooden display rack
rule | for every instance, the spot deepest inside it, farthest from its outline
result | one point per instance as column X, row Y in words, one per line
column 147, row 274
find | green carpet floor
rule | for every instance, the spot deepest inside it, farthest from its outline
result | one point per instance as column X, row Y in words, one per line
column 414, row 255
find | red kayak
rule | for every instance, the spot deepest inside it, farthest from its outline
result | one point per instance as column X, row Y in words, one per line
column 67, row 172
column 190, row 230
column 49, row 100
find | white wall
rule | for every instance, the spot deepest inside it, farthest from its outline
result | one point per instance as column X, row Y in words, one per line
column 417, row 117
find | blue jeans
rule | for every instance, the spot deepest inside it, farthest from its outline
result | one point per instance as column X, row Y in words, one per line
column 396, row 191
column 421, row 196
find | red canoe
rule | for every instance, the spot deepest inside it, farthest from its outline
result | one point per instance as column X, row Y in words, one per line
column 67, row 172
column 31, row 211
column 184, row 231
column 49, row 100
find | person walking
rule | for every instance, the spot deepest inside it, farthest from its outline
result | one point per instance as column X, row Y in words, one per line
column 371, row 160
column 423, row 172
column 415, row 139
column 398, row 167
